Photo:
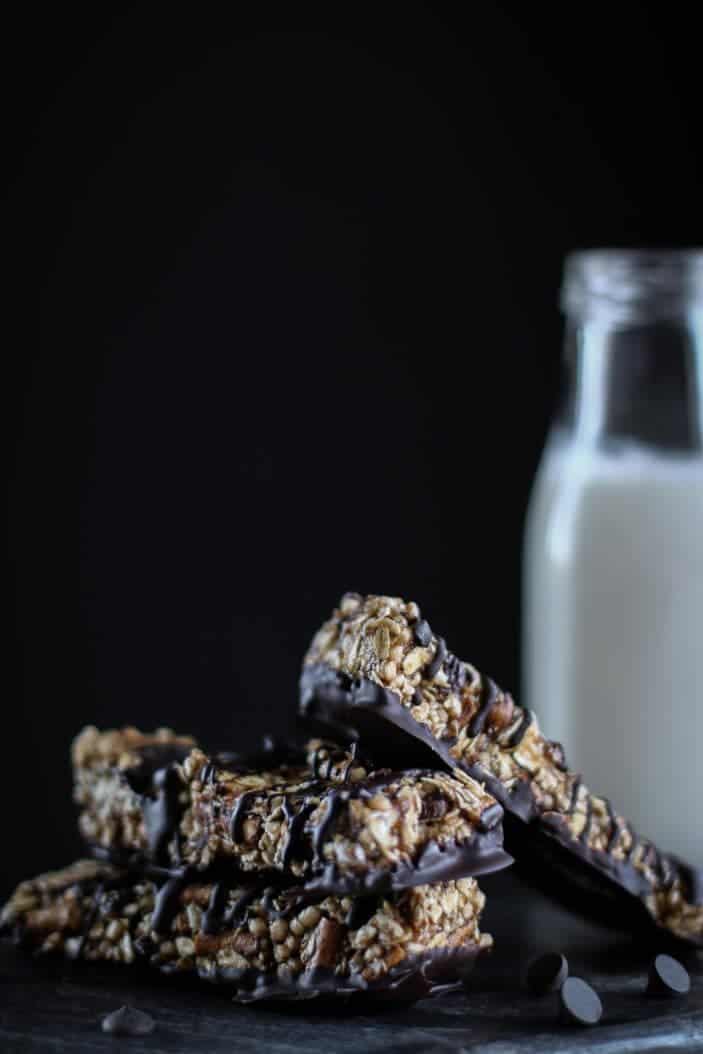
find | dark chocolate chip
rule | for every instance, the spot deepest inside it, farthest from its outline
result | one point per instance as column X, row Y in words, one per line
column 368, row 693
column 579, row 1003
column 547, row 973
column 423, row 633
column 667, row 977
column 128, row 1022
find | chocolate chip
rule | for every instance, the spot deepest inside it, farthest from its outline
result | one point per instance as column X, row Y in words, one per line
column 128, row 1022
column 423, row 633
column 578, row 1003
column 547, row 973
column 667, row 977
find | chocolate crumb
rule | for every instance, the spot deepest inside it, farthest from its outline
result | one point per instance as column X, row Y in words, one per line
column 128, row 1022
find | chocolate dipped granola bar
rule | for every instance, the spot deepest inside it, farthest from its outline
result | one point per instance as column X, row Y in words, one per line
column 315, row 817
column 377, row 669
column 261, row 942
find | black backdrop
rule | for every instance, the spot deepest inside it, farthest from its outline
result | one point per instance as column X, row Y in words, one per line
column 283, row 315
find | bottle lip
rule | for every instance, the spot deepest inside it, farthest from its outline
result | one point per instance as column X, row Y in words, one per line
column 632, row 285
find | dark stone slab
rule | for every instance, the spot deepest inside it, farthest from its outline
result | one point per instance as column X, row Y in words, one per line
column 58, row 1007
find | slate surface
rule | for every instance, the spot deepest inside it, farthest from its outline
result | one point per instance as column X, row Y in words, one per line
column 58, row 1007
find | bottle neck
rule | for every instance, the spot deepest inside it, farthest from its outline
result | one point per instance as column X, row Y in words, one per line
column 637, row 382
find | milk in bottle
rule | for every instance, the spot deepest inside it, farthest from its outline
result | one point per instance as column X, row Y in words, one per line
column 613, row 568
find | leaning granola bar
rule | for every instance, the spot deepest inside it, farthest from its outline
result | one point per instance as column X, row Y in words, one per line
column 377, row 669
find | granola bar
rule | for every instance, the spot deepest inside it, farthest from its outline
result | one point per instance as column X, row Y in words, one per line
column 376, row 668
column 318, row 818
column 263, row 943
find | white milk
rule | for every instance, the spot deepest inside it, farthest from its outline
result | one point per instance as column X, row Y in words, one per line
column 613, row 624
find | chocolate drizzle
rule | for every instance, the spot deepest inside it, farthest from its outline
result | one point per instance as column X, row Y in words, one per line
column 588, row 820
column 422, row 633
column 236, row 823
column 238, row 910
column 489, row 694
column 519, row 734
column 152, row 759
column 575, row 789
column 207, row 773
column 162, row 814
column 212, row 916
column 456, row 673
column 334, row 803
column 168, row 899
column 327, row 754
column 217, row 915
column 434, row 665
column 316, row 760
column 361, row 910
column 614, row 826
column 296, row 826
column 157, row 781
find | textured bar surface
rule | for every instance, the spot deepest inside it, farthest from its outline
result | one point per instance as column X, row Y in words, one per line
column 319, row 818
column 264, row 943
column 377, row 669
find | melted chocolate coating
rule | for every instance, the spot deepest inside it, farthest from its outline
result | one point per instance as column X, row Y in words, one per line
column 153, row 758
column 430, row 973
column 591, row 881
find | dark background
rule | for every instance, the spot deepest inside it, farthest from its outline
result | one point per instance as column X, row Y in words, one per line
column 283, row 305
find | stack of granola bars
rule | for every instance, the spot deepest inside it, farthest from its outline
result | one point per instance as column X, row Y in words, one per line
column 304, row 871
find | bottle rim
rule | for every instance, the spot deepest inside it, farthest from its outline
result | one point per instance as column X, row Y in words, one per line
column 632, row 285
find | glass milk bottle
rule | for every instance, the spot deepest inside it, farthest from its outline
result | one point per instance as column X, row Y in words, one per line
column 613, row 562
